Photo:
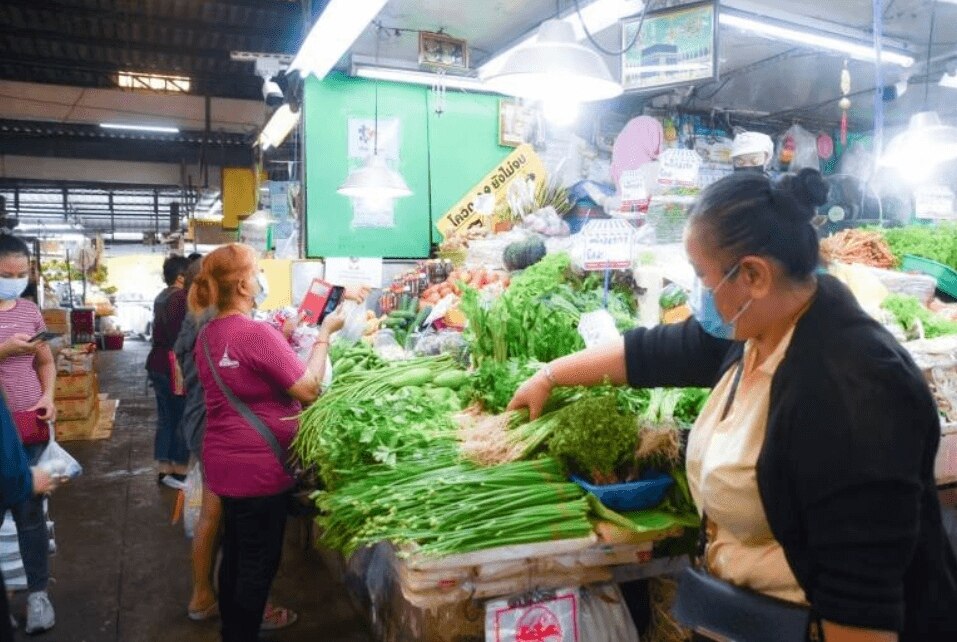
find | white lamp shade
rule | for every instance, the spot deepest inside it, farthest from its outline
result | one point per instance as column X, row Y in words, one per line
column 925, row 142
column 375, row 181
column 555, row 65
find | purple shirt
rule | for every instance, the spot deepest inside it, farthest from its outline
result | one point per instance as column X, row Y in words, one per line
column 254, row 360
column 19, row 378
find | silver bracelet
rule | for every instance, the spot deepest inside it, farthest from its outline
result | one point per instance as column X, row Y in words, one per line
column 547, row 371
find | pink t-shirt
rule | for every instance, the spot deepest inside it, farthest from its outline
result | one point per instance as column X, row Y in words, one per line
column 20, row 381
column 258, row 365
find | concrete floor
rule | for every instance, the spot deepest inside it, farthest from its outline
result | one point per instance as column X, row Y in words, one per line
column 122, row 571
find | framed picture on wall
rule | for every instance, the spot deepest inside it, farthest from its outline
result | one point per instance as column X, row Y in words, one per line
column 516, row 122
column 675, row 46
column 439, row 50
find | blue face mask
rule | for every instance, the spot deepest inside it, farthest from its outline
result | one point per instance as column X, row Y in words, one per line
column 705, row 310
column 12, row 288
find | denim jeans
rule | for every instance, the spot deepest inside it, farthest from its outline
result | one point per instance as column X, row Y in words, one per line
column 32, row 533
column 253, row 530
column 169, row 446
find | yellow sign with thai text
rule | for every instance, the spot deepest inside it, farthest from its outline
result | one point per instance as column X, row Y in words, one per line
column 522, row 164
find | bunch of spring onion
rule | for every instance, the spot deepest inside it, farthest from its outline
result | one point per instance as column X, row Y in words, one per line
column 444, row 506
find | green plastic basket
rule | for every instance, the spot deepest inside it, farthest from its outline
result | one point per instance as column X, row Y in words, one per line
column 946, row 276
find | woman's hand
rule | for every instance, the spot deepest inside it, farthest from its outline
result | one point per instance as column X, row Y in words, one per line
column 533, row 394
column 357, row 294
column 332, row 324
column 18, row 344
column 43, row 483
column 45, row 408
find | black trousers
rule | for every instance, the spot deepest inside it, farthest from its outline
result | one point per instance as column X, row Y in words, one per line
column 6, row 631
column 253, row 531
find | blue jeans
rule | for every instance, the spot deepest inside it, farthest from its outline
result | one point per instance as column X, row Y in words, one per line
column 32, row 533
column 169, row 447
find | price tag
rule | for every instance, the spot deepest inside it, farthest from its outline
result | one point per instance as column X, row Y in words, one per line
column 634, row 192
column 365, row 272
column 608, row 245
column 934, row 202
column 679, row 168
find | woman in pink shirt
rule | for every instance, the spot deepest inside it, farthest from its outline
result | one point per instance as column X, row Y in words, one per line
column 255, row 365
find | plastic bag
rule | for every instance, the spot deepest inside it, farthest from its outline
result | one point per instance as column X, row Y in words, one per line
column 193, row 499
column 598, row 328
column 58, row 463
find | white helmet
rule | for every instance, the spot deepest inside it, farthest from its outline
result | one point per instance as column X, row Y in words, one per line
column 746, row 147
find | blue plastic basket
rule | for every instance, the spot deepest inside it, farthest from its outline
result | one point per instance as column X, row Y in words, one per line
column 636, row 495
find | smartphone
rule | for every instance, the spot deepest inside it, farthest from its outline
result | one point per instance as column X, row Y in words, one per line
column 321, row 299
column 45, row 336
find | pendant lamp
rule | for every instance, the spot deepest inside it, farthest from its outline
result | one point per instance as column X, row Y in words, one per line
column 554, row 66
column 375, row 181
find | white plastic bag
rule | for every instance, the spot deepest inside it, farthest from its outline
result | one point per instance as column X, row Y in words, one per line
column 598, row 328
column 193, row 499
column 58, row 463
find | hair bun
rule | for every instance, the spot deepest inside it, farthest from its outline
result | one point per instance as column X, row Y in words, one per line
column 796, row 196
column 810, row 187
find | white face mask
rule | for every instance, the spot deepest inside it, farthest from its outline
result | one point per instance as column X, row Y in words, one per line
column 12, row 288
column 263, row 293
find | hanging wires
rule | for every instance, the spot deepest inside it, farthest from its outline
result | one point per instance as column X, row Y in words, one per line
column 598, row 46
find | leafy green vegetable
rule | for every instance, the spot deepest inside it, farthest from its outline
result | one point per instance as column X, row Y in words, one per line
column 494, row 383
column 908, row 311
column 938, row 243
column 593, row 438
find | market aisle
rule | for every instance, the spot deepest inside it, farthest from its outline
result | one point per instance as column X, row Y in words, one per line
column 122, row 571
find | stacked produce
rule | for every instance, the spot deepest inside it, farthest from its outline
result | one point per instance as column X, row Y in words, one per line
column 383, row 416
column 537, row 317
column 917, row 320
column 445, row 506
column 938, row 243
column 867, row 247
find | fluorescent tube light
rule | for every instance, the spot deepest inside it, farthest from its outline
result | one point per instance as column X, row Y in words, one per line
column 810, row 37
column 337, row 28
column 418, row 78
column 141, row 128
column 598, row 16
column 277, row 129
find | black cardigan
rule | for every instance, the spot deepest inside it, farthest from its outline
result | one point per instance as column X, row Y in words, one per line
column 846, row 473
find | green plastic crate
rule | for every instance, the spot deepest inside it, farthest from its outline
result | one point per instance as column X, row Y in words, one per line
column 946, row 276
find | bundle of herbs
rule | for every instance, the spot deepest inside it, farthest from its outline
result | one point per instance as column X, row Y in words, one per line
column 386, row 416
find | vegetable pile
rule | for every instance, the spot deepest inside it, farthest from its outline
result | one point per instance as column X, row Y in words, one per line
column 911, row 313
column 444, row 506
column 938, row 243
column 537, row 317
column 866, row 247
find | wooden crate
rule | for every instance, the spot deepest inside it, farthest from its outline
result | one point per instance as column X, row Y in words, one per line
column 73, row 409
column 945, row 468
column 77, row 429
column 75, row 386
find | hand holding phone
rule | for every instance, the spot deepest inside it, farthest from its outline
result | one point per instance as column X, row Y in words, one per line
column 44, row 336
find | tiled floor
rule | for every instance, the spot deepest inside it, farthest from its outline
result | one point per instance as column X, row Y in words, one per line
column 122, row 570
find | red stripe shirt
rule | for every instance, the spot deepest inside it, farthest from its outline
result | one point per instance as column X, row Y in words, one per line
column 19, row 379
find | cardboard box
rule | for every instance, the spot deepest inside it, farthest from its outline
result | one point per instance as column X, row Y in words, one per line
column 72, row 409
column 76, row 429
column 945, row 468
column 56, row 316
column 75, row 386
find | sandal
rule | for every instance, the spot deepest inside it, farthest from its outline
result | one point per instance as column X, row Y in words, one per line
column 277, row 617
column 200, row 615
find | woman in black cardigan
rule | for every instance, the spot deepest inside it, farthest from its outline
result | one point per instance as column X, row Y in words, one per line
column 842, row 472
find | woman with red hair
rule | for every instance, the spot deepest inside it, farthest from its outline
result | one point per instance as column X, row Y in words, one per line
column 254, row 386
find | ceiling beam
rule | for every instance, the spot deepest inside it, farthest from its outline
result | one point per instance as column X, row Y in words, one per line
column 131, row 15
column 244, row 85
column 54, row 35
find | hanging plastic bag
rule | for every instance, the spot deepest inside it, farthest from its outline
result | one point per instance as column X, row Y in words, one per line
column 193, row 499
column 57, row 462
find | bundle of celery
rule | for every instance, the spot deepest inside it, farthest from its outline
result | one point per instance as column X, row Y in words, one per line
column 445, row 507
column 381, row 416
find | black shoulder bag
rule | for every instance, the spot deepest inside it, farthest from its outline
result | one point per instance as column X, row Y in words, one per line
column 299, row 504
column 721, row 611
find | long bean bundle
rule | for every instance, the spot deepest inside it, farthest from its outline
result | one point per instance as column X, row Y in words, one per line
column 446, row 506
